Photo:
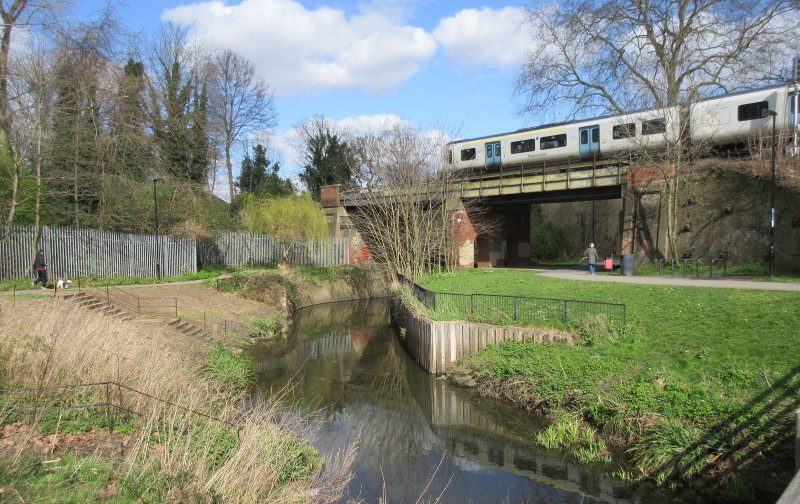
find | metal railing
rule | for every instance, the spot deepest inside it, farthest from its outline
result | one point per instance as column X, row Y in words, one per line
column 141, row 305
column 108, row 404
column 549, row 312
column 697, row 263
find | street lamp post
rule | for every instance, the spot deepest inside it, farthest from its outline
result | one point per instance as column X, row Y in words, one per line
column 158, row 241
column 774, row 115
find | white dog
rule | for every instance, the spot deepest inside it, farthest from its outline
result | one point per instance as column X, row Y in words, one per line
column 63, row 284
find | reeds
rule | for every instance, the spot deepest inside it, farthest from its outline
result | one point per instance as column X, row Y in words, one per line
column 188, row 437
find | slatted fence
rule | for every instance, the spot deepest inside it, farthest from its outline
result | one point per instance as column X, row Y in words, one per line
column 254, row 250
column 73, row 252
column 81, row 252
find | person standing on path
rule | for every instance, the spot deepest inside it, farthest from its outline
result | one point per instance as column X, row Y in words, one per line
column 591, row 254
column 41, row 269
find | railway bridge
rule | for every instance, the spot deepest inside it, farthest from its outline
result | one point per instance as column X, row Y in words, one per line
column 508, row 193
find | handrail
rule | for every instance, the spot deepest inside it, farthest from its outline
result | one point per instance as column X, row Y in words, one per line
column 428, row 298
column 119, row 386
column 137, row 304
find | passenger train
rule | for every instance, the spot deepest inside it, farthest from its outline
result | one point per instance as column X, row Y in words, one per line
column 720, row 121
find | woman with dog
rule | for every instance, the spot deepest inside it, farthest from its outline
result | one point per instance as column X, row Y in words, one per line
column 41, row 269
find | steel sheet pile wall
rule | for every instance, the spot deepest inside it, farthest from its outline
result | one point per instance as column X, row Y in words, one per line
column 254, row 250
column 436, row 345
column 81, row 252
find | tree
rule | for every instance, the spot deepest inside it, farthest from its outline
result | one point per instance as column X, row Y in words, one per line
column 244, row 103
column 293, row 218
column 259, row 176
column 14, row 14
column 327, row 156
column 406, row 210
column 132, row 143
column 621, row 55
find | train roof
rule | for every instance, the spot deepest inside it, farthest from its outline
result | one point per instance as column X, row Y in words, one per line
column 597, row 118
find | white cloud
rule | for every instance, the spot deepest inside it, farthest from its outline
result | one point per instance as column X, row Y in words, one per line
column 297, row 50
column 484, row 37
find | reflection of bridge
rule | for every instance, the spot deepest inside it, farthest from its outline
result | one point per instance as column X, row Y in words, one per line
column 486, row 442
column 337, row 342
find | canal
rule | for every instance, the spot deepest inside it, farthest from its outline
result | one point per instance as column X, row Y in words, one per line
column 420, row 439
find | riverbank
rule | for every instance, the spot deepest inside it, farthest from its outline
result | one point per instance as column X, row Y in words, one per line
column 697, row 390
column 170, row 424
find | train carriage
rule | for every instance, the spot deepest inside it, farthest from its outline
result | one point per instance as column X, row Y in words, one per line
column 720, row 121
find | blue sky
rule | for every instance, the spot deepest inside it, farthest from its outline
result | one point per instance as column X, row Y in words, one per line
column 438, row 64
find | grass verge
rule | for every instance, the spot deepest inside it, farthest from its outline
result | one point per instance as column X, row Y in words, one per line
column 700, row 387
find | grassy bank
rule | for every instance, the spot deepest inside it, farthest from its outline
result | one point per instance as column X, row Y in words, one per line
column 701, row 386
column 184, row 438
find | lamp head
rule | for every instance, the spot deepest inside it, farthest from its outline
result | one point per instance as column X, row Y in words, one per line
column 771, row 113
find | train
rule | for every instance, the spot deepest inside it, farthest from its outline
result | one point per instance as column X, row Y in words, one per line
column 722, row 121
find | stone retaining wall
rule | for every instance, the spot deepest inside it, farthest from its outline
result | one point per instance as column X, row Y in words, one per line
column 436, row 345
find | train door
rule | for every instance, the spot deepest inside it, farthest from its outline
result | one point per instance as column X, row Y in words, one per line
column 493, row 155
column 792, row 111
column 590, row 140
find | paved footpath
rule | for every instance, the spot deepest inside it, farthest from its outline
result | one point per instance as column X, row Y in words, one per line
column 580, row 273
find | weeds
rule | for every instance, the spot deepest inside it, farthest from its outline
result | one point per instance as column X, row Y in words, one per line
column 189, row 440
column 228, row 368
column 266, row 328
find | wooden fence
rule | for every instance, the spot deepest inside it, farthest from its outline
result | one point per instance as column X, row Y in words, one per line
column 81, row 252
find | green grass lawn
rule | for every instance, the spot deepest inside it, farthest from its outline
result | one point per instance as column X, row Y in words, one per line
column 724, row 363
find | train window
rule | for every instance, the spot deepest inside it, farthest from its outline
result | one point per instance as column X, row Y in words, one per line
column 553, row 142
column 653, row 126
column 523, row 146
column 752, row 111
column 623, row 131
column 584, row 137
column 596, row 135
column 449, row 156
column 467, row 154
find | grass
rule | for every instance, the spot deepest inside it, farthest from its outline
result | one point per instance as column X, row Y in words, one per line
column 94, row 281
column 720, row 363
column 228, row 368
column 188, row 439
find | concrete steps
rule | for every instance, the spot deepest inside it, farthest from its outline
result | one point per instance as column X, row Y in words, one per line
column 190, row 329
column 98, row 305
column 185, row 326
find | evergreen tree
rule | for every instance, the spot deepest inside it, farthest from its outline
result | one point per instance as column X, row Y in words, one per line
column 328, row 161
column 172, row 131
column 259, row 176
column 197, row 170
column 132, row 144
column 74, row 165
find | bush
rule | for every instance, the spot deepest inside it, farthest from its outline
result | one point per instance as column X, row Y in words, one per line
column 547, row 242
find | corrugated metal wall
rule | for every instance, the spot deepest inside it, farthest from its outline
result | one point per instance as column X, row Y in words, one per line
column 80, row 252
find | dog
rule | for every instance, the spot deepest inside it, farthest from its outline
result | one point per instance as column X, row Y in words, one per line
column 63, row 284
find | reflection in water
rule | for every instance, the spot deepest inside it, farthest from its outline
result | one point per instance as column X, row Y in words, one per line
column 419, row 436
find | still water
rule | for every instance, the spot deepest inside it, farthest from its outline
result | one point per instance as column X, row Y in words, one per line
column 420, row 438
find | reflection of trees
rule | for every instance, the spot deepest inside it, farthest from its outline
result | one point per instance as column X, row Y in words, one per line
column 357, row 382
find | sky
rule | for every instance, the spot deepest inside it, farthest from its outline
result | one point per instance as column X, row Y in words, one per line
column 436, row 64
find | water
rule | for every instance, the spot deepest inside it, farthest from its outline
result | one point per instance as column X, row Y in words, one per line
column 419, row 436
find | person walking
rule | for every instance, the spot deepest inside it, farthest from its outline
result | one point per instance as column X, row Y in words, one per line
column 591, row 254
column 41, row 269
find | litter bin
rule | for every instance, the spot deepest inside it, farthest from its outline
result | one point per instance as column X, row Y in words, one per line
column 626, row 267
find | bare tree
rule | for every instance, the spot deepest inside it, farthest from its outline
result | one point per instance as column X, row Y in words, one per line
column 244, row 103
column 407, row 200
column 621, row 55
column 14, row 14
